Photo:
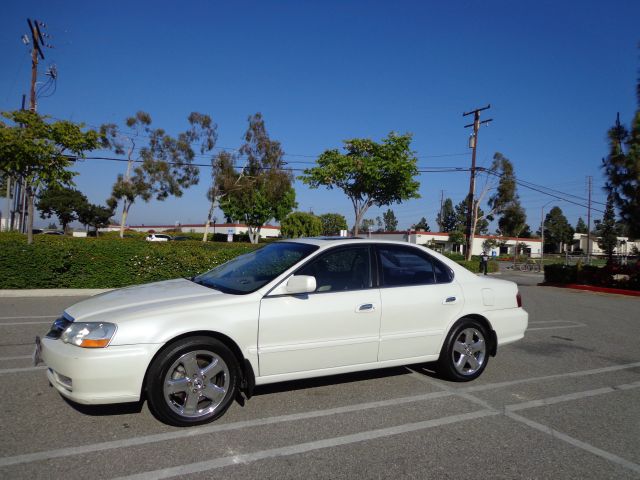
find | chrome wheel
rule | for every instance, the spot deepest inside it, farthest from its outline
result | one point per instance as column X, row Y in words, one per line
column 469, row 351
column 196, row 384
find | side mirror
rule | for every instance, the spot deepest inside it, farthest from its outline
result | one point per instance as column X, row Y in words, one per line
column 301, row 284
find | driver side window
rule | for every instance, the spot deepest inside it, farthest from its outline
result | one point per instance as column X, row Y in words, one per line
column 342, row 269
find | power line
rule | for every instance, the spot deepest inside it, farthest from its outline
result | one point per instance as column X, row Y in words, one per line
column 208, row 165
column 525, row 185
column 231, row 149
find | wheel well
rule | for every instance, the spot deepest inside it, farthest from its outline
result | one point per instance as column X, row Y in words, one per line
column 248, row 376
column 493, row 338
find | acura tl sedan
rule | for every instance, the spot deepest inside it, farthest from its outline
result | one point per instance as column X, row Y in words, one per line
column 290, row 310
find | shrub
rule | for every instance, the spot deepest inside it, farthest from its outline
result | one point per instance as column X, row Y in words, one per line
column 558, row 273
column 474, row 265
column 613, row 276
column 67, row 262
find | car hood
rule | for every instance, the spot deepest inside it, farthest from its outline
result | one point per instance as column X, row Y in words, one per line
column 157, row 295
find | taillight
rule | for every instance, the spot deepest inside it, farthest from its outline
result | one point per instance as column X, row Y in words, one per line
column 519, row 300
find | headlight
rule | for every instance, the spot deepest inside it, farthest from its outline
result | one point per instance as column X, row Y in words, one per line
column 89, row 335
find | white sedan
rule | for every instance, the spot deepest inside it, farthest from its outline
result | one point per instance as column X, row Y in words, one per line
column 158, row 237
column 290, row 310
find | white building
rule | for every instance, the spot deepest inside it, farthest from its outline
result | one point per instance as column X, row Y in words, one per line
column 625, row 245
column 440, row 241
column 267, row 231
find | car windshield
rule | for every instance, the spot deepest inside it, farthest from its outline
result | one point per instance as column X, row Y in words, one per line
column 251, row 271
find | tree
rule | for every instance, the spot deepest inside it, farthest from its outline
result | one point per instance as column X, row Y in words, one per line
column 300, row 224
column 262, row 189
column 422, row 225
column 390, row 221
column 607, row 234
column 581, row 227
column 526, row 231
column 447, row 218
column 369, row 173
column 165, row 163
column 221, row 165
column 505, row 192
column 489, row 244
column 513, row 220
column 332, row 223
column 482, row 225
column 366, row 225
column 456, row 237
column 63, row 202
column 96, row 216
column 40, row 152
column 557, row 230
column 622, row 169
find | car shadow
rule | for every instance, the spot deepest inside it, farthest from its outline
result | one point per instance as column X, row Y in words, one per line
column 339, row 379
column 106, row 410
column 427, row 369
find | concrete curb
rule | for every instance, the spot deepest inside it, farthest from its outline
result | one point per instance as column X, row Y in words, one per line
column 593, row 288
column 53, row 292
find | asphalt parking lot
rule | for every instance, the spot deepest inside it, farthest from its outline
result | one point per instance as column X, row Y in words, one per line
column 562, row 403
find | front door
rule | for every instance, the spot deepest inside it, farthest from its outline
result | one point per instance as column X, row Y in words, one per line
column 335, row 326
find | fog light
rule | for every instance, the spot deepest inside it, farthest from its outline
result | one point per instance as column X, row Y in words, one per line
column 63, row 380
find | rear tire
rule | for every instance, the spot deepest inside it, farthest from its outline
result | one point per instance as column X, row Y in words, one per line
column 465, row 353
column 192, row 382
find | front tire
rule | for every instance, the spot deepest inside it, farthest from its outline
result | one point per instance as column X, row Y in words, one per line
column 465, row 353
column 192, row 381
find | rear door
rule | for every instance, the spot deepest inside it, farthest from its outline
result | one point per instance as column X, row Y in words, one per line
column 419, row 299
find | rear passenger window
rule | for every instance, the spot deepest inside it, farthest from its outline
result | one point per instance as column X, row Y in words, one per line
column 406, row 266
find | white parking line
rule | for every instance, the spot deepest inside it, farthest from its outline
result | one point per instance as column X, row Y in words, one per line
column 217, row 463
column 305, row 447
column 161, row 437
column 580, row 373
column 509, row 409
column 575, row 442
column 19, row 357
column 29, row 316
column 565, row 324
column 21, row 370
column 4, row 324
column 569, row 397
column 192, row 432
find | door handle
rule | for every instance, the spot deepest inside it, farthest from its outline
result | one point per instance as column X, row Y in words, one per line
column 366, row 307
column 449, row 300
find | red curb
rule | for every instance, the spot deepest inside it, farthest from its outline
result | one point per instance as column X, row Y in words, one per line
column 592, row 288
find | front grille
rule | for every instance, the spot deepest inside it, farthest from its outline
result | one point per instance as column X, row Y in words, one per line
column 59, row 326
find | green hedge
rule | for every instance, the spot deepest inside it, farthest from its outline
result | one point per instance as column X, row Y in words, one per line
column 558, row 273
column 65, row 262
column 474, row 265
column 613, row 276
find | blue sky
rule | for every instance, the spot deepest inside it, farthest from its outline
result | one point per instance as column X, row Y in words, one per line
column 320, row 72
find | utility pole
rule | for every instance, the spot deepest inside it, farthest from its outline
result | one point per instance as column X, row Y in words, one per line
column 440, row 217
column 37, row 40
column 473, row 143
column 590, row 180
column 37, row 43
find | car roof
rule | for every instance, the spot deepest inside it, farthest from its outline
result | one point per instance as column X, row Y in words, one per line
column 326, row 241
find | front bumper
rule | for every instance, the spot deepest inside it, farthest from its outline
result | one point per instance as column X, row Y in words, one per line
column 114, row 374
